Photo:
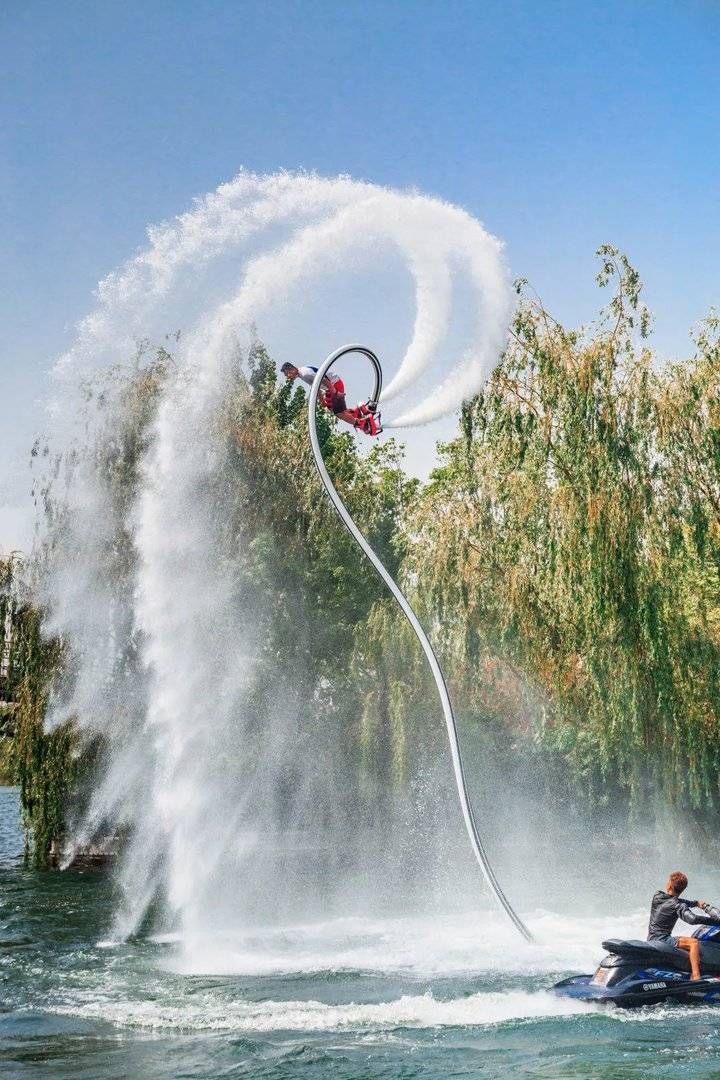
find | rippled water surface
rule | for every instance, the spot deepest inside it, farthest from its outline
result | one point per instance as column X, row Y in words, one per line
column 356, row 997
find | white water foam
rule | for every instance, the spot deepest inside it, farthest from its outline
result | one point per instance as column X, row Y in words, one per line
column 472, row 949
column 203, row 1013
column 470, row 943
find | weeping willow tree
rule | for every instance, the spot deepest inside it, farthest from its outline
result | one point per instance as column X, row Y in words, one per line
column 9, row 625
column 567, row 550
column 43, row 765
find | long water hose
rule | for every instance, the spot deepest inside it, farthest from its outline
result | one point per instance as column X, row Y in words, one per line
column 344, row 515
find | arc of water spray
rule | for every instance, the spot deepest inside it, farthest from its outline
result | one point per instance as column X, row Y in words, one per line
column 344, row 515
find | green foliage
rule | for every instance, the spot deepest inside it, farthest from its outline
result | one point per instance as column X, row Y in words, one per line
column 317, row 588
column 282, row 544
column 570, row 539
column 42, row 764
column 564, row 556
column 54, row 768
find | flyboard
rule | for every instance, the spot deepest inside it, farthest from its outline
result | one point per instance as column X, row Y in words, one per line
column 344, row 515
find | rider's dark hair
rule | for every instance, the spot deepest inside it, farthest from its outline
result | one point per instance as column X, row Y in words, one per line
column 679, row 882
column 287, row 367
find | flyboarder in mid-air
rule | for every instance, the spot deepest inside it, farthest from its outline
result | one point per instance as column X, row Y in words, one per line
column 332, row 396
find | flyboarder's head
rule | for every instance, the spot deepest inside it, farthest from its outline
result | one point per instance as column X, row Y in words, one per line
column 290, row 372
column 677, row 883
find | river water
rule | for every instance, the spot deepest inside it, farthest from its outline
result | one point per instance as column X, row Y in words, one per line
column 357, row 997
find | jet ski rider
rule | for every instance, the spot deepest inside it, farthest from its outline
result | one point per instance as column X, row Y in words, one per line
column 665, row 910
column 332, row 396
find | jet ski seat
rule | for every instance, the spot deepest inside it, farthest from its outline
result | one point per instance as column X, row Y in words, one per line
column 663, row 954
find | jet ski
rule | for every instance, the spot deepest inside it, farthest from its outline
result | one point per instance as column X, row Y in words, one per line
column 648, row 972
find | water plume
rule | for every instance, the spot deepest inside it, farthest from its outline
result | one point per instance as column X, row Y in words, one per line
column 163, row 621
column 260, row 243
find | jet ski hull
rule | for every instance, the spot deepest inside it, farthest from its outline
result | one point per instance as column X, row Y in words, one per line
column 641, row 988
column 635, row 973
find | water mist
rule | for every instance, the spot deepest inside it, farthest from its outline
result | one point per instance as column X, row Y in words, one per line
column 232, row 816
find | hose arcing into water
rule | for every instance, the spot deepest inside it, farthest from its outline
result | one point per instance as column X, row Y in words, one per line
column 475, row 841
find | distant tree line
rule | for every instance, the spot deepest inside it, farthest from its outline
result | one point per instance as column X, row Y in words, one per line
column 564, row 556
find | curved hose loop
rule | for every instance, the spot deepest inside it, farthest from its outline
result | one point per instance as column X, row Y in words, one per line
column 467, row 811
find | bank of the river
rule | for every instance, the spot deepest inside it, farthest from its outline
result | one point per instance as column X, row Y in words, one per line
column 358, row 997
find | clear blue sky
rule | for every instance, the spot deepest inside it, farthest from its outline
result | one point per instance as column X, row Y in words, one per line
column 561, row 125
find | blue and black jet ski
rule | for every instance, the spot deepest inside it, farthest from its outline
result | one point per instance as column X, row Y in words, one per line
column 647, row 972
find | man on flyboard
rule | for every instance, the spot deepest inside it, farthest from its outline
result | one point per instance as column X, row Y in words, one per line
column 332, row 396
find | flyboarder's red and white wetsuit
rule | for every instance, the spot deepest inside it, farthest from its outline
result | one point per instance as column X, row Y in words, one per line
column 332, row 391
column 332, row 396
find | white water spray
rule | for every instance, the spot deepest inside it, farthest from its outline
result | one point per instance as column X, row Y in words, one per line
column 260, row 243
column 261, row 252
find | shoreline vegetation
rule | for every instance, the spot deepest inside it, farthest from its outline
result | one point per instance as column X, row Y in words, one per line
column 564, row 555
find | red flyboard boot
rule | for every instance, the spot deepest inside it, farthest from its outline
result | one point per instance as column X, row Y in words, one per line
column 367, row 420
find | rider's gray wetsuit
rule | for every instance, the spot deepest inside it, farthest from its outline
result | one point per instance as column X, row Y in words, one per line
column 666, row 909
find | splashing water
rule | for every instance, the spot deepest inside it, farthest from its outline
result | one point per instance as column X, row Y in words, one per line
column 288, row 234
column 260, row 252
